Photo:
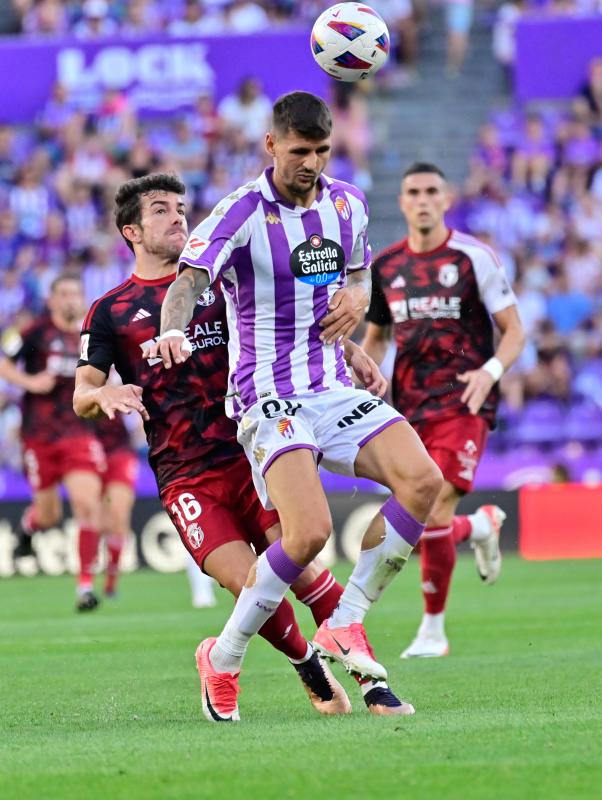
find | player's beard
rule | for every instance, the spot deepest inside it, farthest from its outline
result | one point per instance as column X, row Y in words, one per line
column 169, row 252
column 302, row 190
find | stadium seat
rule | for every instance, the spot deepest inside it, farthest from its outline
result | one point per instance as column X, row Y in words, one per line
column 542, row 422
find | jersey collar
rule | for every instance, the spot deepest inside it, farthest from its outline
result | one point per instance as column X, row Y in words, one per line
column 272, row 195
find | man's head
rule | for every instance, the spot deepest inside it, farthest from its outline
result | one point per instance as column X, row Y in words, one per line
column 66, row 297
column 424, row 197
column 299, row 140
column 151, row 215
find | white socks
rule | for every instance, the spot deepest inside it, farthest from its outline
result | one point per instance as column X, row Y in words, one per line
column 275, row 572
column 433, row 625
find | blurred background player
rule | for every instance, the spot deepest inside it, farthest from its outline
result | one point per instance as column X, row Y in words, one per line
column 203, row 476
column 201, row 585
column 58, row 448
column 435, row 293
column 119, row 484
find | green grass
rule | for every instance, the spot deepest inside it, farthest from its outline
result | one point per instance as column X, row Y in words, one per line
column 107, row 705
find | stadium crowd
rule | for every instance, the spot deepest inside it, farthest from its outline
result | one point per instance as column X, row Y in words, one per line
column 534, row 192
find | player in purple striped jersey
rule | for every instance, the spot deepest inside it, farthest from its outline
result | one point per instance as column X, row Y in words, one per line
column 292, row 255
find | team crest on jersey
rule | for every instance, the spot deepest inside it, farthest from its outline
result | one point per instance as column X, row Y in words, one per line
column 195, row 535
column 343, row 207
column 195, row 246
column 285, row 428
column 448, row 275
column 207, row 298
column 317, row 261
column 272, row 219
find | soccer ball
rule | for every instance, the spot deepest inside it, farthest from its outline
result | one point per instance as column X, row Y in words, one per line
column 350, row 41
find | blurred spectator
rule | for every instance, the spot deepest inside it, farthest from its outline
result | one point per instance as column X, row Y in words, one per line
column 56, row 113
column 46, row 18
column 248, row 111
column 30, row 202
column 198, row 19
column 141, row 18
column 246, row 16
column 96, row 21
column 351, row 130
column 504, row 30
column 533, row 158
column 567, row 308
column 401, row 21
column 459, row 14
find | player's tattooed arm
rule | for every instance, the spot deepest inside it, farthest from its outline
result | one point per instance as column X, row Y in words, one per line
column 176, row 312
column 347, row 307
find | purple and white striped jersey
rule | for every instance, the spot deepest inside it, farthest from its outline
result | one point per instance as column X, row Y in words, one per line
column 279, row 265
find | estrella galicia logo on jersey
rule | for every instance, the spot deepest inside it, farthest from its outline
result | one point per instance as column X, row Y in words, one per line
column 317, row 261
column 195, row 535
column 343, row 207
column 448, row 275
column 207, row 298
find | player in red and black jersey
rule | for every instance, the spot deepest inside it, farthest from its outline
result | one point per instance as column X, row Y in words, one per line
column 119, row 483
column 58, row 448
column 203, row 476
column 435, row 294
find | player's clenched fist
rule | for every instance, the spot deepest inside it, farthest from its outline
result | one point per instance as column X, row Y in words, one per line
column 121, row 399
column 172, row 347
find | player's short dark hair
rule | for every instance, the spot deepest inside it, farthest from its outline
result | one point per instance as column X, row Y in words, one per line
column 64, row 277
column 419, row 167
column 303, row 113
column 128, row 209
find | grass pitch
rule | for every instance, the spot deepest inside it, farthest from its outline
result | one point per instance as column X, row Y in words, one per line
column 107, row 705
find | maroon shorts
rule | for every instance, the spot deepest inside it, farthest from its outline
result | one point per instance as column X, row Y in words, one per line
column 47, row 464
column 122, row 467
column 216, row 507
column 456, row 445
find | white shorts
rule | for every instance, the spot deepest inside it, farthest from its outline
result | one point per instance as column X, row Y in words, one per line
column 333, row 424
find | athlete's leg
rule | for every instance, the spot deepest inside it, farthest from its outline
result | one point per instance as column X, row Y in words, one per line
column 437, row 560
column 303, row 536
column 44, row 511
column 415, row 481
column 117, row 504
column 84, row 491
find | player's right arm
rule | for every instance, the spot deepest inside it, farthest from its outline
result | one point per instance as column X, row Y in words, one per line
column 38, row 383
column 176, row 312
column 93, row 396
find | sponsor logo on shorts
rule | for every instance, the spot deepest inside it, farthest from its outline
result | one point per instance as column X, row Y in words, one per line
column 359, row 412
column 317, row 261
column 470, row 447
column 195, row 535
column 448, row 274
column 285, row 428
column 259, row 454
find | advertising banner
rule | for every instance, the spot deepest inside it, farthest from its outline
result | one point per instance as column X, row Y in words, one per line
column 553, row 54
column 160, row 74
column 156, row 544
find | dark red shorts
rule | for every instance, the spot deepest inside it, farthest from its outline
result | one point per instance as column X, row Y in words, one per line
column 216, row 507
column 122, row 467
column 456, row 445
column 47, row 464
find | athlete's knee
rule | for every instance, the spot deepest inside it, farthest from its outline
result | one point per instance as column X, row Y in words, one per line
column 305, row 540
column 421, row 485
column 47, row 518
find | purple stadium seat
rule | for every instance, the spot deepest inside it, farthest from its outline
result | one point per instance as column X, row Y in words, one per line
column 584, row 422
column 541, row 422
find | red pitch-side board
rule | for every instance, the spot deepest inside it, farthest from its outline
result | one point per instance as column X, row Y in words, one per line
column 560, row 521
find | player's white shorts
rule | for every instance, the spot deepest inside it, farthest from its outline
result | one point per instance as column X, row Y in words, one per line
column 333, row 424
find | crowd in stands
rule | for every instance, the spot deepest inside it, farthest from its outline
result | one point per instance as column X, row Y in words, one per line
column 534, row 192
